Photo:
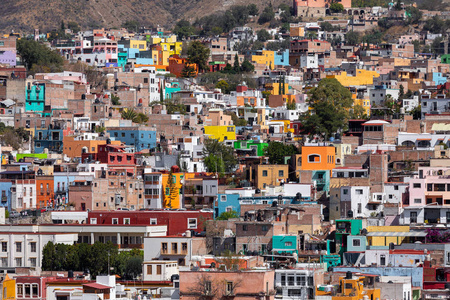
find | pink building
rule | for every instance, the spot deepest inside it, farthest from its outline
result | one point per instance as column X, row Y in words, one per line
column 253, row 284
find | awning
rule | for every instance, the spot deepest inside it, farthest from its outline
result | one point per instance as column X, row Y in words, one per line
column 440, row 127
column 424, row 139
column 401, row 234
column 96, row 286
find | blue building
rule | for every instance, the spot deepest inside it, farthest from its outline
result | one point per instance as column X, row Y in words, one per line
column 5, row 192
column 438, row 78
column 50, row 138
column 281, row 58
column 139, row 137
column 61, row 186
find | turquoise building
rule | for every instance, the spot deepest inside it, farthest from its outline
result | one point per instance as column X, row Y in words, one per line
column 345, row 228
column 322, row 179
column 173, row 88
column 35, row 97
column 285, row 244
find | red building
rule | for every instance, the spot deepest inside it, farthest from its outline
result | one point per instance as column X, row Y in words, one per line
column 111, row 154
column 32, row 287
column 178, row 222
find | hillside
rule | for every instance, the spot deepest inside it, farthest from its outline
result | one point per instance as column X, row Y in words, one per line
column 17, row 15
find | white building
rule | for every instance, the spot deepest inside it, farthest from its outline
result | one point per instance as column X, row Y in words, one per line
column 378, row 95
column 158, row 270
column 23, row 248
column 355, row 199
column 294, row 284
column 23, row 194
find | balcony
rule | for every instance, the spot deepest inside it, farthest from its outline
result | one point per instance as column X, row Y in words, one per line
column 131, row 246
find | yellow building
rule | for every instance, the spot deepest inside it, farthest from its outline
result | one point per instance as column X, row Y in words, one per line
column 266, row 58
column 341, row 151
column 270, row 175
column 364, row 103
column 362, row 77
column 221, row 133
column 351, row 288
column 9, row 288
column 172, row 47
column 138, row 44
column 274, row 88
column 384, row 235
column 160, row 57
column 172, row 190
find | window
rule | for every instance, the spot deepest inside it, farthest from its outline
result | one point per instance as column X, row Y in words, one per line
column 417, row 200
column 149, row 269
column 164, row 248
column 33, row 262
column 356, row 243
column 229, row 287
column 115, row 221
column 18, row 261
column 153, row 221
column 280, row 173
column 382, row 260
column 184, row 247
column 4, row 246
column 345, row 191
column 395, row 187
column 174, row 248
column 359, row 192
column 359, row 208
column 18, row 246
column 413, row 217
column 94, row 220
column 4, row 261
column 264, row 173
column 429, row 187
column 192, row 223
column 288, row 244
column 33, row 247
column 265, row 228
column 245, row 227
column 167, row 191
column 126, row 221
column 314, row 158
column 158, row 269
column 20, row 290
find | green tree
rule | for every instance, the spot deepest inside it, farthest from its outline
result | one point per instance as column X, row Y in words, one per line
column 401, row 93
column 199, row 54
column 100, row 129
column 336, row 7
column 252, row 9
column 352, row 38
column 236, row 120
column 236, row 66
column 247, row 67
column 263, row 35
column 416, row 44
column 131, row 25
column 128, row 114
column 329, row 103
column 218, row 156
column 358, row 112
column 134, row 267
column 141, row 118
column 183, row 29
column 36, row 55
column 73, row 26
column 277, row 151
column 414, row 15
column 267, row 15
column 223, row 86
column 188, row 71
column 115, row 100
column 228, row 215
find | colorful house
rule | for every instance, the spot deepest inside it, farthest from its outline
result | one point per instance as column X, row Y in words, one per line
column 264, row 57
column 221, row 133
column 285, row 244
column 362, row 77
column 34, row 97
column 178, row 64
column 350, row 287
column 253, row 148
column 172, row 184
column 9, row 288
column 344, row 228
column 318, row 158
column 140, row 137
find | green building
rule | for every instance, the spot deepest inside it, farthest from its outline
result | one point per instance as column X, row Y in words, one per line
column 253, row 148
column 445, row 58
column 285, row 244
column 35, row 97
column 344, row 228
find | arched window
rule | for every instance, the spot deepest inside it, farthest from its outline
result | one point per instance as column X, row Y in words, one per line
column 314, row 158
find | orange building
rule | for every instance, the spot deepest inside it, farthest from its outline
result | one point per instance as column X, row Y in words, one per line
column 318, row 158
column 177, row 64
column 45, row 190
column 74, row 147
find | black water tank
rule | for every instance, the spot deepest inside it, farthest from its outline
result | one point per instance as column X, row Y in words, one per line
column 108, row 141
column 70, row 274
column 174, row 277
column 391, row 246
column 348, row 275
column 350, row 214
column 274, row 203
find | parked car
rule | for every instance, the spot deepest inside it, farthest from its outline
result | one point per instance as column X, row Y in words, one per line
column 14, row 214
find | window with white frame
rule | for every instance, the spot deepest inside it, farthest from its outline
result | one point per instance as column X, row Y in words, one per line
column 153, row 221
column 192, row 223
column 93, row 220
column 126, row 221
column 115, row 221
